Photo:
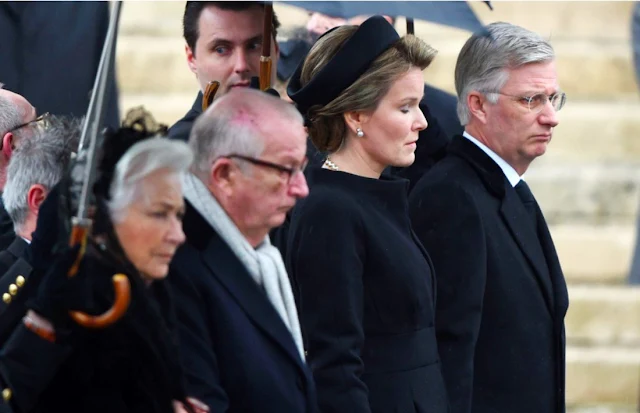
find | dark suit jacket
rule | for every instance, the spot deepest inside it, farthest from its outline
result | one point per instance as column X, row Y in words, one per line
column 40, row 40
column 14, row 288
column 502, row 296
column 236, row 350
column 9, row 255
column 7, row 233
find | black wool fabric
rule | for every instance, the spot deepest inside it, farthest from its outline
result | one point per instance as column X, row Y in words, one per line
column 364, row 287
column 502, row 297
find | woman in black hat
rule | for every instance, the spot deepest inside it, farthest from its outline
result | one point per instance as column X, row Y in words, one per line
column 364, row 284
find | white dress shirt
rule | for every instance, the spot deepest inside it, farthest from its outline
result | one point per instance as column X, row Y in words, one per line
column 509, row 172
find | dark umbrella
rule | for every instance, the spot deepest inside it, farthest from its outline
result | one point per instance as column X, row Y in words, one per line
column 449, row 13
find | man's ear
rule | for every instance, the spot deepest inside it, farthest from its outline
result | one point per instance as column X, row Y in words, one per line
column 477, row 102
column 355, row 120
column 191, row 59
column 224, row 175
column 35, row 197
column 7, row 145
column 277, row 48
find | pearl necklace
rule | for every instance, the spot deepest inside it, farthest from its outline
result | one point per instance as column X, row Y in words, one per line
column 330, row 165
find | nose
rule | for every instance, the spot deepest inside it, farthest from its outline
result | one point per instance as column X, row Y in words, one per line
column 548, row 116
column 176, row 234
column 298, row 186
column 241, row 63
column 421, row 122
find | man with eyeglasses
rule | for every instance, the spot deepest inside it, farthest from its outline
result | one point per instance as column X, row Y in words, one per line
column 16, row 114
column 502, row 297
column 238, row 327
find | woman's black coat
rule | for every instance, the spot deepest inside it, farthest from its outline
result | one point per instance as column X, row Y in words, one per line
column 364, row 287
column 131, row 366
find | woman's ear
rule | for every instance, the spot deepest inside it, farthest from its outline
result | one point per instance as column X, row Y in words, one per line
column 355, row 120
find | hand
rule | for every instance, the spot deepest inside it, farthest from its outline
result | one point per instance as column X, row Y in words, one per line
column 58, row 294
column 195, row 406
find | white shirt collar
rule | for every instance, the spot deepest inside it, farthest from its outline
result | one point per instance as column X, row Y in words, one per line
column 26, row 240
column 509, row 172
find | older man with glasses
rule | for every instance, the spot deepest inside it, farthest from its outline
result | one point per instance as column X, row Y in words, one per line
column 16, row 117
column 239, row 332
column 502, row 296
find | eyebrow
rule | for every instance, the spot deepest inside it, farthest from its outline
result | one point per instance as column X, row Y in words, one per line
column 412, row 99
column 220, row 40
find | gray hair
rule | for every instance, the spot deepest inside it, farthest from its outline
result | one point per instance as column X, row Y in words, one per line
column 41, row 159
column 11, row 115
column 141, row 160
column 485, row 59
column 231, row 125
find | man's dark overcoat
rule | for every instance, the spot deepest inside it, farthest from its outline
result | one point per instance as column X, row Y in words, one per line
column 502, row 296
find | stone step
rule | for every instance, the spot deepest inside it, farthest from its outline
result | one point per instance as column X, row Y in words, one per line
column 148, row 64
column 594, row 254
column 602, row 408
column 586, row 193
column 600, row 316
column 603, row 376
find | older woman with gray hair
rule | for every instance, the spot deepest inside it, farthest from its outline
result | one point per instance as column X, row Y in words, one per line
column 132, row 365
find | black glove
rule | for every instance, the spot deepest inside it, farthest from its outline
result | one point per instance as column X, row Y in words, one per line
column 58, row 294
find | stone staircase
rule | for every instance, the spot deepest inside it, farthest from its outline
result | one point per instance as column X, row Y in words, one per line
column 588, row 183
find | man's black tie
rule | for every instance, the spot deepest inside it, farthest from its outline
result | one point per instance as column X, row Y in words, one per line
column 527, row 198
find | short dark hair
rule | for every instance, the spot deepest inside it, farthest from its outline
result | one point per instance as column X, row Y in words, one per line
column 193, row 10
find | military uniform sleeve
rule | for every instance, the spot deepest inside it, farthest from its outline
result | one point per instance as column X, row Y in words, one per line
column 28, row 363
column 449, row 226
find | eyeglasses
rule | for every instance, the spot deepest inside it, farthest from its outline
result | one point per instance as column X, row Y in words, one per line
column 291, row 172
column 538, row 101
column 42, row 119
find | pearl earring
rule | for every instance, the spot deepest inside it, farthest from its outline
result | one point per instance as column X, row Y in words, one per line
column 359, row 133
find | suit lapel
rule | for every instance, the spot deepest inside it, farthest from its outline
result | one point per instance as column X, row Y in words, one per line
column 519, row 223
column 228, row 269
column 558, row 283
column 512, row 211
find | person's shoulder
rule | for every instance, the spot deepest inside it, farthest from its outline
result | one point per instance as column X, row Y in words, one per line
column 450, row 175
column 182, row 128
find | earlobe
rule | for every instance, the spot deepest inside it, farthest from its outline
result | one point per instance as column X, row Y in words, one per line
column 355, row 120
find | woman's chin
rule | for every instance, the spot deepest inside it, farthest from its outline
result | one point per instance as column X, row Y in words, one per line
column 404, row 161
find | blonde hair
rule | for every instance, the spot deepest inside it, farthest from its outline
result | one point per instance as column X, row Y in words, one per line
column 327, row 127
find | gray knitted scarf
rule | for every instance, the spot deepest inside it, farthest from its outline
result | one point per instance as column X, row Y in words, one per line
column 264, row 263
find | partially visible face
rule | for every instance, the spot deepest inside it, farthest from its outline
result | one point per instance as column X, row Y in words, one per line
column 391, row 131
column 516, row 134
column 263, row 197
column 319, row 23
column 151, row 230
column 228, row 48
column 10, row 139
